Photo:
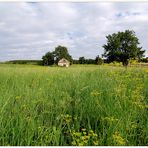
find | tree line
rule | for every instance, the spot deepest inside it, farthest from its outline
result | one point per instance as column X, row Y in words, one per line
column 82, row 60
column 120, row 47
column 60, row 52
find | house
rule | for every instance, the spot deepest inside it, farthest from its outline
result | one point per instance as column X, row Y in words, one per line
column 63, row 62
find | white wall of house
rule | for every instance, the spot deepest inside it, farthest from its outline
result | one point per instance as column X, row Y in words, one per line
column 63, row 64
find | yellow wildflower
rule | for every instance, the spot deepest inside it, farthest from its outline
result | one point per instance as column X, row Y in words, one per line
column 95, row 93
column 146, row 70
column 118, row 139
column 81, row 144
column 74, row 143
column 110, row 119
column 95, row 143
column 18, row 97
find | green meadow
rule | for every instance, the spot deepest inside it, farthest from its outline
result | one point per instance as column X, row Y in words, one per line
column 79, row 105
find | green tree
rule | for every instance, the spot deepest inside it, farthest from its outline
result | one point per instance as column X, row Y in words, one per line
column 122, row 47
column 81, row 60
column 48, row 58
column 62, row 52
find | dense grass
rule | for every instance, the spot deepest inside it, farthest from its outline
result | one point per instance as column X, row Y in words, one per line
column 80, row 105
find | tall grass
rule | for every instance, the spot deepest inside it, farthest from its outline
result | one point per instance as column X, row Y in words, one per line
column 80, row 105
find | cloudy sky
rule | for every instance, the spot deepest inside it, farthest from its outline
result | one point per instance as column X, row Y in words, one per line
column 29, row 30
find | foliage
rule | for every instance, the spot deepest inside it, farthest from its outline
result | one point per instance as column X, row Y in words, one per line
column 48, row 59
column 133, row 61
column 62, row 52
column 122, row 46
column 115, row 63
column 84, row 138
column 81, row 60
column 33, row 62
column 53, row 57
column 145, row 60
column 75, row 61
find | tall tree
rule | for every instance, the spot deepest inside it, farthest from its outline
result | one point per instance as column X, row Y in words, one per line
column 122, row 47
column 82, row 60
column 62, row 52
column 48, row 58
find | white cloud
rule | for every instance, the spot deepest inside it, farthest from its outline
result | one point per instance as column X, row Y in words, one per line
column 29, row 30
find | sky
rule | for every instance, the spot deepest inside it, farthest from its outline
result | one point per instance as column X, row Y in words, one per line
column 29, row 30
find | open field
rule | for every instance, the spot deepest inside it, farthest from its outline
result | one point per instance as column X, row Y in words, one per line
column 79, row 105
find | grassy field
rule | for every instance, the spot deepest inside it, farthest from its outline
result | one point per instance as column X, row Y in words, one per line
column 80, row 105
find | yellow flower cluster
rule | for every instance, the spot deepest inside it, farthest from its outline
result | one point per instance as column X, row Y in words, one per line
column 136, row 94
column 120, row 89
column 146, row 70
column 140, row 105
column 110, row 119
column 133, row 125
column 95, row 93
column 118, row 138
column 66, row 118
column 18, row 97
column 84, row 138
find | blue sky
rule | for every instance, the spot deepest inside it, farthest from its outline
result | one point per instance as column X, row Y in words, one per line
column 29, row 30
